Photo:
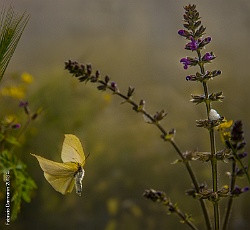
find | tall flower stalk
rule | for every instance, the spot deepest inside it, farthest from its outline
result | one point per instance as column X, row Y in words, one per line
column 194, row 32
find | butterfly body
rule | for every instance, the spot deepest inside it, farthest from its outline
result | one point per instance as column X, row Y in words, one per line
column 63, row 176
column 78, row 180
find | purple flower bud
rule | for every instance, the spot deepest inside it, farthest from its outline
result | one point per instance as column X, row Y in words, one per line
column 208, row 39
column 242, row 155
column 205, row 41
column 181, row 32
column 114, row 86
column 184, row 33
column 236, row 190
column 245, row 189
column 186, row 62
column 16, row 126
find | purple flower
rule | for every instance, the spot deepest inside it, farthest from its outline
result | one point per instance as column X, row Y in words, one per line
column 193, row 45
column 23, row 103
column 186, row 62
column 208, row 56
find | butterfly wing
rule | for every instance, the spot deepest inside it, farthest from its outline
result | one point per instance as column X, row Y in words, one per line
column 59, row 175
column 61, row 184
column 72, row 150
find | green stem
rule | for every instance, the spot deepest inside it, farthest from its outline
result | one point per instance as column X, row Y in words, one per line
column 213, row 150
column 215, row 180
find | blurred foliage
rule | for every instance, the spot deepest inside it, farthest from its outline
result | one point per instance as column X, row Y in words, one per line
column 13, row 126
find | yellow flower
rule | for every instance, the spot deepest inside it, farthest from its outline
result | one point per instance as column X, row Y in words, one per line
column 225, row 124
column 13, row 91
column 107, row 97
column 27, row 78
column 9, row 119
column 223, row 129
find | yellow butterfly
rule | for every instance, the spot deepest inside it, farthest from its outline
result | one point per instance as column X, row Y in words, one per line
column 63, row 176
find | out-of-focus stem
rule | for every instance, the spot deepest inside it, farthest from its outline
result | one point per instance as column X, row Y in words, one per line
column 230, row 201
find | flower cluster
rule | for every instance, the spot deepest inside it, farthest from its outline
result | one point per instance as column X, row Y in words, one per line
column 161, row 197
column 233, row 151
column 194, row 33
column 85, row 73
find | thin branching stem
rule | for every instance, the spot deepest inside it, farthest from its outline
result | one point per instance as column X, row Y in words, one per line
column 173, row 143
column 195, row 183
column 161, row 197
column 183, row 217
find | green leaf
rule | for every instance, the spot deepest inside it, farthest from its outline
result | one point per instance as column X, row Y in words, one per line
column 11, row 29
column 12, row 140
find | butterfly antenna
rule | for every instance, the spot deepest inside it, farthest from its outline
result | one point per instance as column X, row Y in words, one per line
column 87, row 157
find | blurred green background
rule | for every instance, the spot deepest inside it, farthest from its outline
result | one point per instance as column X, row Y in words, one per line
column 135, row 43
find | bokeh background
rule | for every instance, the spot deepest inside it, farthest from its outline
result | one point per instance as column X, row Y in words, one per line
column 135, row 43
